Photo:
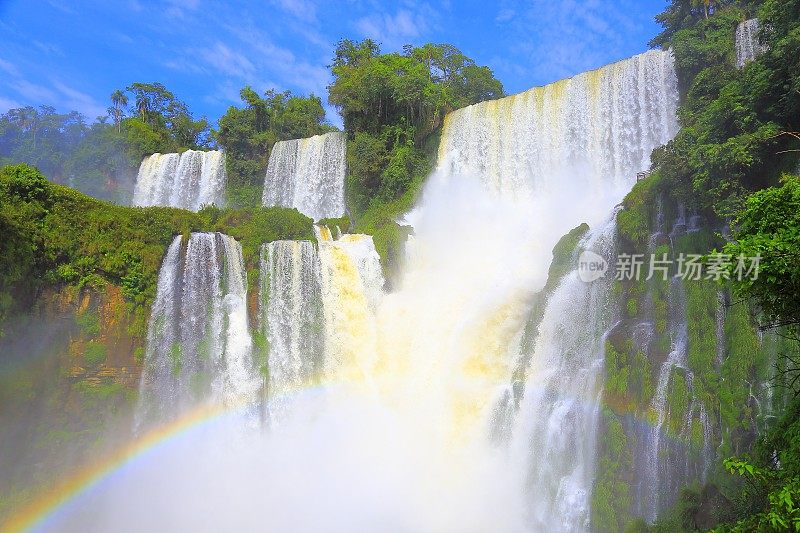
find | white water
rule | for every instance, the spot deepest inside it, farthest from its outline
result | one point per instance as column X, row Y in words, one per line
column 555, row 433
column 747, row 45
column 198, row 345
column 572, row 148
column 308, row 174
column 188, row 180
column 396, row 432
column 291, row 319
column 669, row 465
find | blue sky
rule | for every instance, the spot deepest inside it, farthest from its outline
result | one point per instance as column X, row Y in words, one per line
column 73, row 54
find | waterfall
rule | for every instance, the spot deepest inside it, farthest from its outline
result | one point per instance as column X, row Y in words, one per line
column 352, row 284
column 290, row 310
column 386, row 409
column 595, row 130
column 574, row 147
column 555, row 432
column 308, row 174
column 188, row 180
column 198, row 343
column 748, row 46
column 668, row 465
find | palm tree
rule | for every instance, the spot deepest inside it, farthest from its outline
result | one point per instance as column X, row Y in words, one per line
column 119, row 99
column 142, row 104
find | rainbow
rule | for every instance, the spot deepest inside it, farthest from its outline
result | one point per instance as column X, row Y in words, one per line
column 34, row 514
column 44, row 506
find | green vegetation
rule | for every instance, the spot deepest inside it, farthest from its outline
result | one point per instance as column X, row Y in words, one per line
column 101, row 158
column 611, row 497
column 393, row 106
column 95, row 353
column 769, row 227
column 248, row 134
column 56, row 236
column 730, row 142
column 735, row 143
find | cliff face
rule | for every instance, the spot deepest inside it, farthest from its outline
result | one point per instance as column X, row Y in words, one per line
column 689, row 379
column 70, row 371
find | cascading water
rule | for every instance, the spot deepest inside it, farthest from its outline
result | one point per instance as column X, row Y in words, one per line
column 668, row 464
column 290, row 319
column 596, row 129
column 198, row 345
column 556, row 428
column 573, row 148
column 188, row 180
column 748, row 46
column 396, row 428
column 308, row 174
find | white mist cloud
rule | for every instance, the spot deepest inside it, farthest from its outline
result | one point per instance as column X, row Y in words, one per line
column 404, row 26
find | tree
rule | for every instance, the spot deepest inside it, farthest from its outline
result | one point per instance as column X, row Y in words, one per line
column 392, row 103
column 769, row 227
column 119, row 100
column 248, row 134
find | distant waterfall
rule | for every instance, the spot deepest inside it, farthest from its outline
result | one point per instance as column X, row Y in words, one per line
column 291, row 319
column 594, row 131
column 188, row 180
column 198, row 343
column 748, row 46
column 308, row 174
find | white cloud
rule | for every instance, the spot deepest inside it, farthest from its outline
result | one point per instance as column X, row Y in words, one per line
column 8, row 68
column 505, row 15
column 56, row 94
column 48, row 48
column 552, row 40
column 8, row 103
column 71, row 98
column 181, row 8
column 398, row 29
column 32, row 92
column 302, row 9
column 227, row 61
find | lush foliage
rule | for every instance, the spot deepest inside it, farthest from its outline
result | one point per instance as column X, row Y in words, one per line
column 248, row 134
column 53, row 235
column 101, row 158
column 732, row 139
column 732, row 142
column 393, row 105
column 769, row 227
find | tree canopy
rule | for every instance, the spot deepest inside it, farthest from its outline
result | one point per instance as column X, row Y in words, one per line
column 248, row 133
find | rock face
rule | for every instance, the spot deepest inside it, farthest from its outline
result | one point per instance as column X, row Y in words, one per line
column 70, row 369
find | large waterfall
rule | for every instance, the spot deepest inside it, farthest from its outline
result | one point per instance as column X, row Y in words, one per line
column 188, row 180
column 573, row 147
column 308, row 174
column 748, row 46
column 419, row 409
column 199, row 344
